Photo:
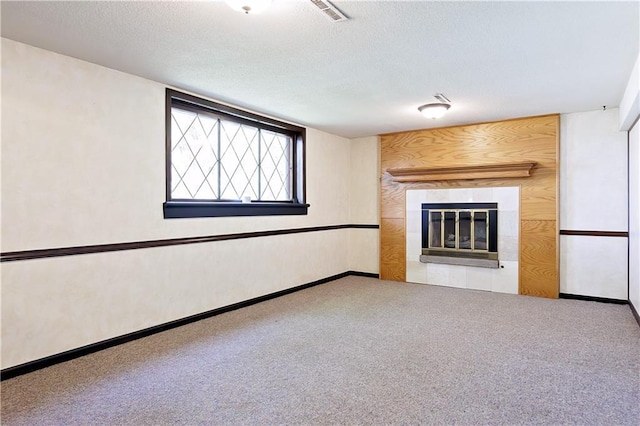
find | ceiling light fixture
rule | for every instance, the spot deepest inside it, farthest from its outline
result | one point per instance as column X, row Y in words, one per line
column 436, row 109
column 248, row 6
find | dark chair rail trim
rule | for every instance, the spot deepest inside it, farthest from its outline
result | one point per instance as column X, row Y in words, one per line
column 41, row 363
column 596, row 233
column 12, row 256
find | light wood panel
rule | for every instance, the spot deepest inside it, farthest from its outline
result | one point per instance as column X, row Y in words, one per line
column 392, row 200
column 533, row 139
column 392, row 249
column 538, row 197
column 539, row 258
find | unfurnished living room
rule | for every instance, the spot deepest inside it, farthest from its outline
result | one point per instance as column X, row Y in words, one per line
column 315, row 212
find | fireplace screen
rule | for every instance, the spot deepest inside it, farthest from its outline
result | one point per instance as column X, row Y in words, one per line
column 460, row 230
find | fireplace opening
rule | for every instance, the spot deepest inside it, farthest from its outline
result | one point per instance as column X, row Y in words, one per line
column 460, row 234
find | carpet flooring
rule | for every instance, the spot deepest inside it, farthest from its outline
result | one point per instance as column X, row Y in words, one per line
column 357, row 351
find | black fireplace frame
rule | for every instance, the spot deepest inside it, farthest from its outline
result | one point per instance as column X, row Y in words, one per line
column 492, row 208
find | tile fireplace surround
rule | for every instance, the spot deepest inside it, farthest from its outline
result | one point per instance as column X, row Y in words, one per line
column 501, row 280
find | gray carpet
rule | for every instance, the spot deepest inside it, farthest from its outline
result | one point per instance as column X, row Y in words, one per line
column 358, row 351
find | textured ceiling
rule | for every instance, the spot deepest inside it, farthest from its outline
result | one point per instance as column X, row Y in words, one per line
column 361, row 77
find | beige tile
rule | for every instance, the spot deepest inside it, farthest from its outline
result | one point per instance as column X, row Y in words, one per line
column 414, row 221
column 414, row 246
column 508, row 248
column 479, row 278
column 508, row 198
column 437, row 195
column 508, row 223
column 505, row 278
column 438, row 274
column 458, row 276
column 416, row 272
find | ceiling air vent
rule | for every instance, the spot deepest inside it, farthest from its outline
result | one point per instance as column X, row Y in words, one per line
column 329, row 10
column 442, row 98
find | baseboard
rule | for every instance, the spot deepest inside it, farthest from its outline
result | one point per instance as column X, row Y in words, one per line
column 635, row 313
column 363, row 274
column 593, row 299
column 41, row 363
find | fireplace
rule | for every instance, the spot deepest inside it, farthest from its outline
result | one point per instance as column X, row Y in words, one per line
column 460, row 234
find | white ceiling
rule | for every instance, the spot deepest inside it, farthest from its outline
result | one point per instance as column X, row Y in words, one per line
column 361, row 77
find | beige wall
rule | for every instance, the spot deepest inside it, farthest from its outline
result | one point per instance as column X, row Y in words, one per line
column 593, row 197
column 364, row 204
column 634, row 216
column 83, row 163
column 593, row 176
column 629, row 116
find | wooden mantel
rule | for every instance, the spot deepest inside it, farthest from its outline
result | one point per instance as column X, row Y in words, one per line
column 484, row 171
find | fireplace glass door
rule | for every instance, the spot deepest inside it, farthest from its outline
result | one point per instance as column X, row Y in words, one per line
column 450, row 240
column 464, row 229
column 480, row 226
column 435, row 229
column 458, row 229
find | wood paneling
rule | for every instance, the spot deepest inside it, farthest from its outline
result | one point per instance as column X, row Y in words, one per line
column 532, row 139
column 392, row 201
column 392, row 249
column 539, row 258
column 538, row 197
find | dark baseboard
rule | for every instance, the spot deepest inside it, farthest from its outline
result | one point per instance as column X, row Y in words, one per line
column 363, row 274
column 593, row 299
column 41, row 363
column 635, row 313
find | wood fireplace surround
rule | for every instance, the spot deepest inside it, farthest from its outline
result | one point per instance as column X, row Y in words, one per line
column 520, row 152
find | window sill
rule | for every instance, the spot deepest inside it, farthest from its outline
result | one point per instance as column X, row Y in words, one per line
column 188, row 209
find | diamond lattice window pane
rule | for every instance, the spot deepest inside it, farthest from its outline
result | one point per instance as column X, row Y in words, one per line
column 205, row 192
column 275, row 165
column 181, row 121
column 181, row 155
column 181, row 159
column 239, row 146
column 180, row 191
column 194, row 155
column 193, row 179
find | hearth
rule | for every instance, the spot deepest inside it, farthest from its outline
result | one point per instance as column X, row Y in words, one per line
column 460, row 234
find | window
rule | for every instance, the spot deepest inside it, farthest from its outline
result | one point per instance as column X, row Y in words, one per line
column 222, row 161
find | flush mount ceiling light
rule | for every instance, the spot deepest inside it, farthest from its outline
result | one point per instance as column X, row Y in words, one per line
column 436, row 109
column 248, row 6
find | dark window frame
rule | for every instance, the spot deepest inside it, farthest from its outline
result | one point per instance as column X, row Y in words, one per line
column 185, row 208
